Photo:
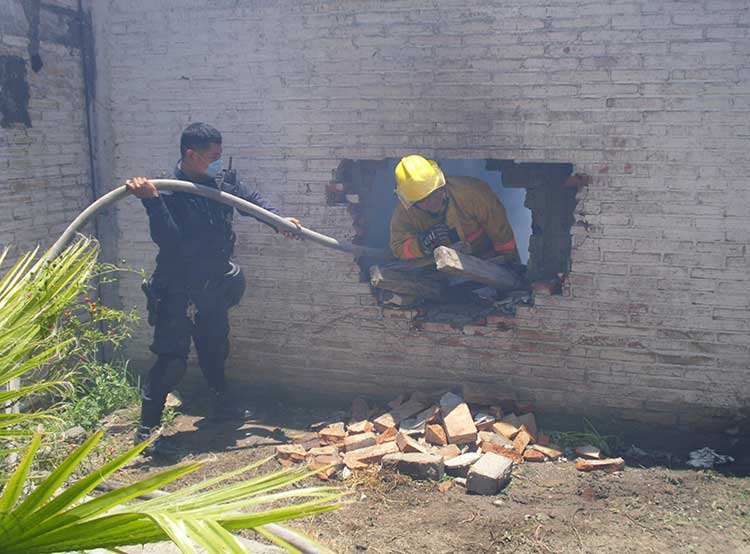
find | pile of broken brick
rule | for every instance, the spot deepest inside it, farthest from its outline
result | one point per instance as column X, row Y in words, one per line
column 468, row 437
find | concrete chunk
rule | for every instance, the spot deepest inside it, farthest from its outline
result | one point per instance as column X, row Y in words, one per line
column 459, row 466
column 489, row 474
column 417, row 465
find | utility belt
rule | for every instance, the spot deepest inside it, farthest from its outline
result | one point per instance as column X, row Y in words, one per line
column 217, row 293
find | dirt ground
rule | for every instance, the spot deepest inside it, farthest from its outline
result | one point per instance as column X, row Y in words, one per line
column 548, row 507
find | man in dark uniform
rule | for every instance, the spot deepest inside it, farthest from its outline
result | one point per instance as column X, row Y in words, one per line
column 193, row 268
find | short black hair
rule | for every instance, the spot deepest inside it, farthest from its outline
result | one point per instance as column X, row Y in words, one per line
column 198, row 136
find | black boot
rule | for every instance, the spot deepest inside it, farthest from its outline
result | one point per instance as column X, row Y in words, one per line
column 223, row 407
column 161, row 447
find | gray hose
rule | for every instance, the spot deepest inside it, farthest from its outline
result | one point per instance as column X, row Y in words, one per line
column 173, row 185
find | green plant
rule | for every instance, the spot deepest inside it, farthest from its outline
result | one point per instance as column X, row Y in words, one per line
column 47, row 522
column 570, row 439
column 33, row 295
column 168, row 416
column 100, row 390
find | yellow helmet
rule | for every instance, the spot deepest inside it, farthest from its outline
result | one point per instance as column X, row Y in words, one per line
column 417, row 178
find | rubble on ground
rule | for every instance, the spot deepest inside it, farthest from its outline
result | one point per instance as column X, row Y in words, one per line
column 474, row 439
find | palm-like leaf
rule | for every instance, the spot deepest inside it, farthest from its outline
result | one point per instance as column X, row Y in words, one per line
column 53, row 518
column 33, row 294
column 57, row 515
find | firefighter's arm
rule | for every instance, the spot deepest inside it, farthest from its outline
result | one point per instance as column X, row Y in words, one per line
column 404, row 237
column 492, row 217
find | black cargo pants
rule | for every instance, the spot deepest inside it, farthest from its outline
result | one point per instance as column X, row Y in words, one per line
column 174, row 328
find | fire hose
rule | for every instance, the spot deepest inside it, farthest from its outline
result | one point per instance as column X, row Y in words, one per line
column 172, row 185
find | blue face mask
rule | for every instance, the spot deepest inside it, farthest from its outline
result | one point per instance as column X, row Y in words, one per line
column 213, row 168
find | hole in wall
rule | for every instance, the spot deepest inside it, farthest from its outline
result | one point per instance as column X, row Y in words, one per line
column 539, row 207
column 14, row 93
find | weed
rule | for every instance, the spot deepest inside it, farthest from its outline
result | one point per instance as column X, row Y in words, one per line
column 101, row 389
column 566, row 439
column 168, row 416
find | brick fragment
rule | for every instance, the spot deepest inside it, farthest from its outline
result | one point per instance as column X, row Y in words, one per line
column 360, row 440
column 434, row 434
column 394, row 417
column 505, row 429
column 458, row 423
column 291, row 452
column 328, row 466
column 369, row 455
column 509, row 453
column 407, row 444
column 551, row 453
column 488, row 436
column 359, row 427
column 533, row 455
column 331, row 450
column 307, row 440
column 389, row 434
column 607, row 464
column 483, row 421
column 333, row 434
column 522, row 440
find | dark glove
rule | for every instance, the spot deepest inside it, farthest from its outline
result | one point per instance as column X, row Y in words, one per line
column 433, row 237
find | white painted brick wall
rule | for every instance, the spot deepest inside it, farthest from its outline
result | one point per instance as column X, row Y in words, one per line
column 44, row 175
column 652, row 98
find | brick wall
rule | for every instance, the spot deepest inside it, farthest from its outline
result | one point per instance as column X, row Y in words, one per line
column 44, row 168
column 651, row 98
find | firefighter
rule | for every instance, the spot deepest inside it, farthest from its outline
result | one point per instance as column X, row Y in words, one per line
column 437, row 210
column 195, row 281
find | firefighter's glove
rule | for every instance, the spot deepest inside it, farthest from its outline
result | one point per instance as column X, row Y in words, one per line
column 433, row 237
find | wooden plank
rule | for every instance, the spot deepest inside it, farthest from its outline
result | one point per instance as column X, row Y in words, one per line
column 472, row 268
column 411, row 265
column 403, row 283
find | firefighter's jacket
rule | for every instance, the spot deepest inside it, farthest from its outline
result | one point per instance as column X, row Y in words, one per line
column 473, row 211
